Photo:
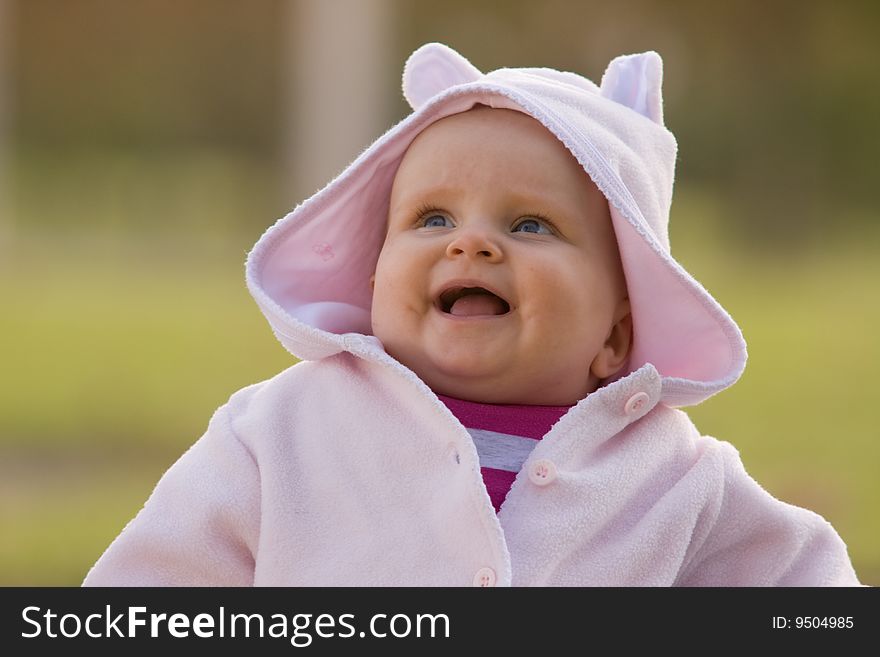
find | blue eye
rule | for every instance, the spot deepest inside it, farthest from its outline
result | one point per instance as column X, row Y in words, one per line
column 435, row 221
column 532, row 226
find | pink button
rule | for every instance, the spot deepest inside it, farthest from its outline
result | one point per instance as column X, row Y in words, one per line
column 485, row 577
column 636, row 403
column 542, row 472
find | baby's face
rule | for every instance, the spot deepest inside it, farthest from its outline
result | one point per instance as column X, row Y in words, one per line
column 499, row 280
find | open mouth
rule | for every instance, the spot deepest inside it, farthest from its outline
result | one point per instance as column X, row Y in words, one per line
column 471, row 301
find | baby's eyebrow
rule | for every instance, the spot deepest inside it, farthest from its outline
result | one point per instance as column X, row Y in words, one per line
column 417, row 203
column 438, row 195
column 424, row 194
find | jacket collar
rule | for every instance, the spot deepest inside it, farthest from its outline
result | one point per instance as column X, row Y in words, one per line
column 607, row 410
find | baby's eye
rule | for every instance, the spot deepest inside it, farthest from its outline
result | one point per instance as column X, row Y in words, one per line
column 434, row 220
column 532, row 226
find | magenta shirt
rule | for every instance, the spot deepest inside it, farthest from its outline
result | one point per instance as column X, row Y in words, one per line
column 504, row 435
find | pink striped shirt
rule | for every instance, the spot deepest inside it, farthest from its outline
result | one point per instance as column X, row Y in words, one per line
column 504, row 435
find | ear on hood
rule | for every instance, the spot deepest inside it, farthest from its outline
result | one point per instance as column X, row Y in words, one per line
column 434, row 68
column 635, row 81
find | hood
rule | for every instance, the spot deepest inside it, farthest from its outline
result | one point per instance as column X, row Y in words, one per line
column 309, row 273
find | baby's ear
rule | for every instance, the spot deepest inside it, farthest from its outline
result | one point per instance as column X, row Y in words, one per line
column 635, row 81
column 615, row 351
column 434, row 68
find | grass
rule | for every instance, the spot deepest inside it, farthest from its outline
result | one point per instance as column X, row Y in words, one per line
column 59, row 515
column 115, row 355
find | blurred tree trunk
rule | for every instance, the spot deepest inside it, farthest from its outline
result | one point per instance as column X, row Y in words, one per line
column 6, row 35
column 336, row 98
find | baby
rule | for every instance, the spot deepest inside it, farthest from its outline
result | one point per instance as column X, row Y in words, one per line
column 494, row 339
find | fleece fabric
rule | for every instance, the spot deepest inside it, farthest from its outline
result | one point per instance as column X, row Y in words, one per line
column 349, row 471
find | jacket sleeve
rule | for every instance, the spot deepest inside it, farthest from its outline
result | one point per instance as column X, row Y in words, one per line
column 199, row 527
column 758, row 540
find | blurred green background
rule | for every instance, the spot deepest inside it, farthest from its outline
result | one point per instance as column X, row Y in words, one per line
column 146, row 144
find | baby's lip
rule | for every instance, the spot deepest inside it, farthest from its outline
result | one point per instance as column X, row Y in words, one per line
column 451, row 291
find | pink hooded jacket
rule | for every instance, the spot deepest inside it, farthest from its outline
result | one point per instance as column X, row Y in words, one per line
column 347, row 470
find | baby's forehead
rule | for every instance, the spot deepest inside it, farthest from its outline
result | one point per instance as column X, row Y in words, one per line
column 482, row 121
column 493, row 149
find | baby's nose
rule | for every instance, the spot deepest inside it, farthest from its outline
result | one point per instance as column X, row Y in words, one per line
column 475, row 243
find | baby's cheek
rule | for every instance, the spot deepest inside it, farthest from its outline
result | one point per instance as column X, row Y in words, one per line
column 379, row 308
